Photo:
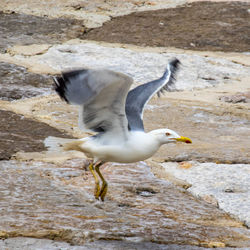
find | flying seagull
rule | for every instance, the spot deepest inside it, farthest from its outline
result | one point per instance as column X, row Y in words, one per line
column 115, row 114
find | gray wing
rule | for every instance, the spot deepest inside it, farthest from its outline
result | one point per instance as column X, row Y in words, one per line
column 138, row 97
column 101, row 95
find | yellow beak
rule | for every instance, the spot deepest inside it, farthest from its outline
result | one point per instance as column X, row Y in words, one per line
column 184, row 139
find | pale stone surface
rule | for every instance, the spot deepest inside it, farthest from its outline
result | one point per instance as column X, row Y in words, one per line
column 56, row 202
column 218, row 0
column 94, row 13
column 228, row 184
column 34, row 49
column 240, row 97
column 196, row 71
column 240, row 82
column 20, row 243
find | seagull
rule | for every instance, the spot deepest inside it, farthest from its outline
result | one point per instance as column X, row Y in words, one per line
column 115, row 115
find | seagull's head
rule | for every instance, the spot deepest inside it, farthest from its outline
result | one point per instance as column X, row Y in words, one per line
column 168, row 135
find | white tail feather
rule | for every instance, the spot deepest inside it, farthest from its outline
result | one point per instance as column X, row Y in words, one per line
column 56, row 143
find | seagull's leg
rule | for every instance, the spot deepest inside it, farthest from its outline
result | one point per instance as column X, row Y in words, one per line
column 104, row 188
column 97, row 185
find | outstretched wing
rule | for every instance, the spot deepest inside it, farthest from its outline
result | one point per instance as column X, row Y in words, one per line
column 101, row 95
column 138, row 97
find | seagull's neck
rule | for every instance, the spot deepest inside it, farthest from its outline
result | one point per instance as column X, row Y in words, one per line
column 145, row 139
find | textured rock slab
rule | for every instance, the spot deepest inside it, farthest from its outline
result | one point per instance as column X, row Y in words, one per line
column 18, row 133
column 56, row 202
column 237, row 98
column 219, row 134
column 26, row 243
column 94, row 13
column 199, row 26
column 21, row 29
column 197, row 71
column 17, row 83
column 228, row 184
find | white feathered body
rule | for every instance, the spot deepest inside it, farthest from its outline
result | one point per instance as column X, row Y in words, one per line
column 137, row 147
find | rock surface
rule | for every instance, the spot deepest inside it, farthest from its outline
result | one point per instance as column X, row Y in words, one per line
column 32, row 243
column 237, row 98
column 56, row 202
column 21, row 134
column 219, row 134
column 16, row 83
column 178, row 27
column 93, row 13
column 47, row 198
column 228, row 184
column 21, row 29
column 197, row 70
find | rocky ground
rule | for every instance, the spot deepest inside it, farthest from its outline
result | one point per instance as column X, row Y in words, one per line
column 221, row 27
column 187, row 196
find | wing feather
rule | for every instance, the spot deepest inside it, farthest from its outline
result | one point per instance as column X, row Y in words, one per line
column 138, row 97
column 101, row 95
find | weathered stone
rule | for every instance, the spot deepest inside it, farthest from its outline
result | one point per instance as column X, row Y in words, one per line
column 161, row 173
column 26, row 243
column 24, row 29
column 94, row 13
column 32, row 50
column 209, row 127
column 223, row 185
column 238, row 97
column 21, row 134
column 195, row 71
column 42, row 200
column 17, row 83
column 210, row 199
column 196, row 26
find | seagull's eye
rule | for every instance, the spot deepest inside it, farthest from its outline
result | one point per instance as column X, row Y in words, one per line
column 167, row 134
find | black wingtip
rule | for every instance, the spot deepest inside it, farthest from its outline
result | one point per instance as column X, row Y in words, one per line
column 60, row 87
column 64, row 80
column 175, row 63
column 174, row 66
column 172, row 69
